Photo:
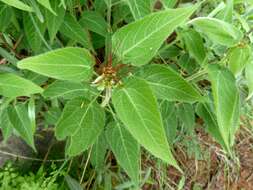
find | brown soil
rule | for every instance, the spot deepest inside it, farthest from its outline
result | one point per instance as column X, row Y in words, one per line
column 214, row 173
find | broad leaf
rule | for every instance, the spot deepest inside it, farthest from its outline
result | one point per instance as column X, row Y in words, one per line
column 18, row 4
column 70, row 63
column 168, row 84
column 238, row 58
column 226, row 102
column 194, row 44
column 249, row 78
column 54, row 21
column 12, row 86
column 138, row 42
column 19, row 118
column 125, row 148
column 94, row 22
column 47, row 5
column 218, row 31
column 137, row 108
column 68, row 90
column 82, row 120
column 73, row 30
column 140, row 8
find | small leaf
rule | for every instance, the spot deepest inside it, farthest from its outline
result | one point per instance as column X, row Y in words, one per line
column 169, row 3
column 168, row 84
column 137, row 108
column 218, row 31
column 227, row 13
column 194, row 44
column 12, row 86
column 125, row 148
column 238, row 58
column 18, row 4
column 19, row 118
column 70, row 63
column 32, row 36
column 140, row 8
column 98, row 152
column 52, row 115
column 226, row 102
column 68, row 90
column 138, row 42
column 73, row 30
column 186, row 114
column 6, row 15
column 249, row 78
column 94, row 22
column 54, row 22
column 72, row 183
column 206, row 113
column 5, row 123
column 47, row 5
column 32, row 113
column 83, row 121
column 170, row 121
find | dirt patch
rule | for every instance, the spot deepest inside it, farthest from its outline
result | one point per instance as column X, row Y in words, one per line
column 214, row 172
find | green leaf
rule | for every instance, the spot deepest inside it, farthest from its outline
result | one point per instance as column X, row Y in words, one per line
column 94, row 22
column 19, row 118
column 227, row 13
column 226, row 102
column 218, row 31
column 168, row 84
column 206, row 113
column 72, row 183
column 249, row 78
column 73, row 30
column 137, row 108
column 47, row 5
column 52, row 115
column 98, row 152
column 12, row 86
column 5, row 123
column 125, row 148
column 169, row 3
column 140, row 8
column 194, row 44
column 138, row 42
column 32, row 113
column 186, row 114
column 69, row 63
column 68, row 90
column 6, row 14
column 8, row 56
column 238, row 58
column 170, row 121
column 32, row 36
column 18, row 4
column 54, row 21
column 83, row 121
